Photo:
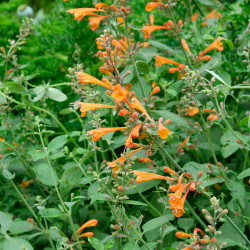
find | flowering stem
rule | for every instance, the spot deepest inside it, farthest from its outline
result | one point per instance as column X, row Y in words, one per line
column 131, row 54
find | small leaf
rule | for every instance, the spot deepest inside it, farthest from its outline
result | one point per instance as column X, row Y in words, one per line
column 142, row 67
column 161, row 46
column 56, row 95
column 14, row 87
column 185, row 223
column 19, row 227
column 50, row 213
column 218, row 77
column 96, row 244
column 136, row 203
column 157, row 222
column 244, row 174
column 57, row 142
column 16, row 244
column 5, row 221
column 39, row 92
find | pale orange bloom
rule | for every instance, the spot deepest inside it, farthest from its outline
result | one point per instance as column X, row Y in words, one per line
column 185, row 46
column 2, row 139
column 204, row 24
column 86, row 78
column 99, row 132
column 205, row 58
column 144, row 176
column 169, row 170
column 162, row 131
column 80, row 13
column 124, row 112
column 187, row 248
column 129, row 142
column 182, row 235
column 146, row 160
column 183, row 143
column 84, row 107
column 120, row 20
column 136, row 131
column 90, row 223
column 101, row 5
column 160, row 60
column 217, row 44
column 212, row 14
column 155, row 91
column 194, row 17
column 121, row 160
column 213, row 117
column 95, row 21
column 120, row 94
column 192, row 111
column 118, row 45
column 173, row 70
column 209, row 110
column 25, row 184
column 147, row 30
column 151, row 20
column 88, row 234
column 152, row 5
column 137, row 105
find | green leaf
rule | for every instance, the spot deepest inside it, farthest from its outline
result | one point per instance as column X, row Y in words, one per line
column 86, row 179
column 50, row 212
column 14, row 87
column 142, row 67
column 56, row 95
column 244, row 174
column 7, row 174
column 176, row 119
column 38, row 155
column 39, row 92
column 5, row 221
column 133, row 27
column 43, row 174
column 136, row 203
column 217, row 77
column 169, row 229
column 237, row 188
column 19, row 227
column 72, row 175
column 96, row 244
column 131, row 245
column 157, row 222
column 16, row 244
column 130, row 76
column 161, row 46
column 144, row 186
column 229, row 144
column 185, row 223
column 57, row 142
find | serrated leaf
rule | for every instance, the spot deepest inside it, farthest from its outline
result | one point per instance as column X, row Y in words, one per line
column 57, row 142
column 56, row 95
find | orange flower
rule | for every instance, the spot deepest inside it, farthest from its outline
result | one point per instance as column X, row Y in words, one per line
column 194, row 17
column 152, row 5
column 120, row 161
column 155, row 91
column 183, row 143
column 88, row 234
column 213, row 117
column 101, row 5
column 99, row 132
column 25, row 184
column 1, row 139
column 212, row 14
column 160, row 60
column 185, row 46
column 84, row 107
column 95, row 21
column 151, row 20
column 124, row 112
column 129, row 142
column 120, row 94
column 136, row 131
column 182, row 235
column 90, row 223
column 137, row 105
column 144, row 176
column 192, row 111
column 162, row 131
column 86, row 78
column 217, row 44
column 145, row 160
column 80, row 13
column 147, row 30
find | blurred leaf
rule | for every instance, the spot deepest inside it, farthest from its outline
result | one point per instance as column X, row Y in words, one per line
column 96, row 244
column 50, row 212
column 136, row 203
column 19, row 227
column 39, row 92
column 229, row 144
column 56, row 95
column 131, row 245
column 142, row 67
column 5, row 221
column 130, row 76
column 185, row 223
column 14, row 87
column 244, row 174
column 16, row 244
column 160, row 45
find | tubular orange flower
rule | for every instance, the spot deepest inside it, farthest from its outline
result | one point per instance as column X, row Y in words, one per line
column 175, row 197
column 169, row 170
column 2, row 139
column 160, row 60
column 194, row 17
column 137, row 105
column 205, row 58
column 95, row 21
column 212, row 14
column 151, row 20
column 185, row 46
column 84, row 107
column 162, row 131
column 152, row 5
column 129, row 141
column 80, row 13
column 173, row 70
column 120, row 94
column 147, row 30
column 121, row 160
column 88, row 234
column 124, row 112
column 179, row 208
column 99, row 132
column 155, row 91
column 90, row 223
column 192, row 111
column 182, row 235
column 136, row 131
column 217, row 44
column 144, row 176
column 86, row 78
column 196, row 230
column 213, row 117
column 25, row 184
column 145, row 160
column 101, row 5
column 183, row 143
